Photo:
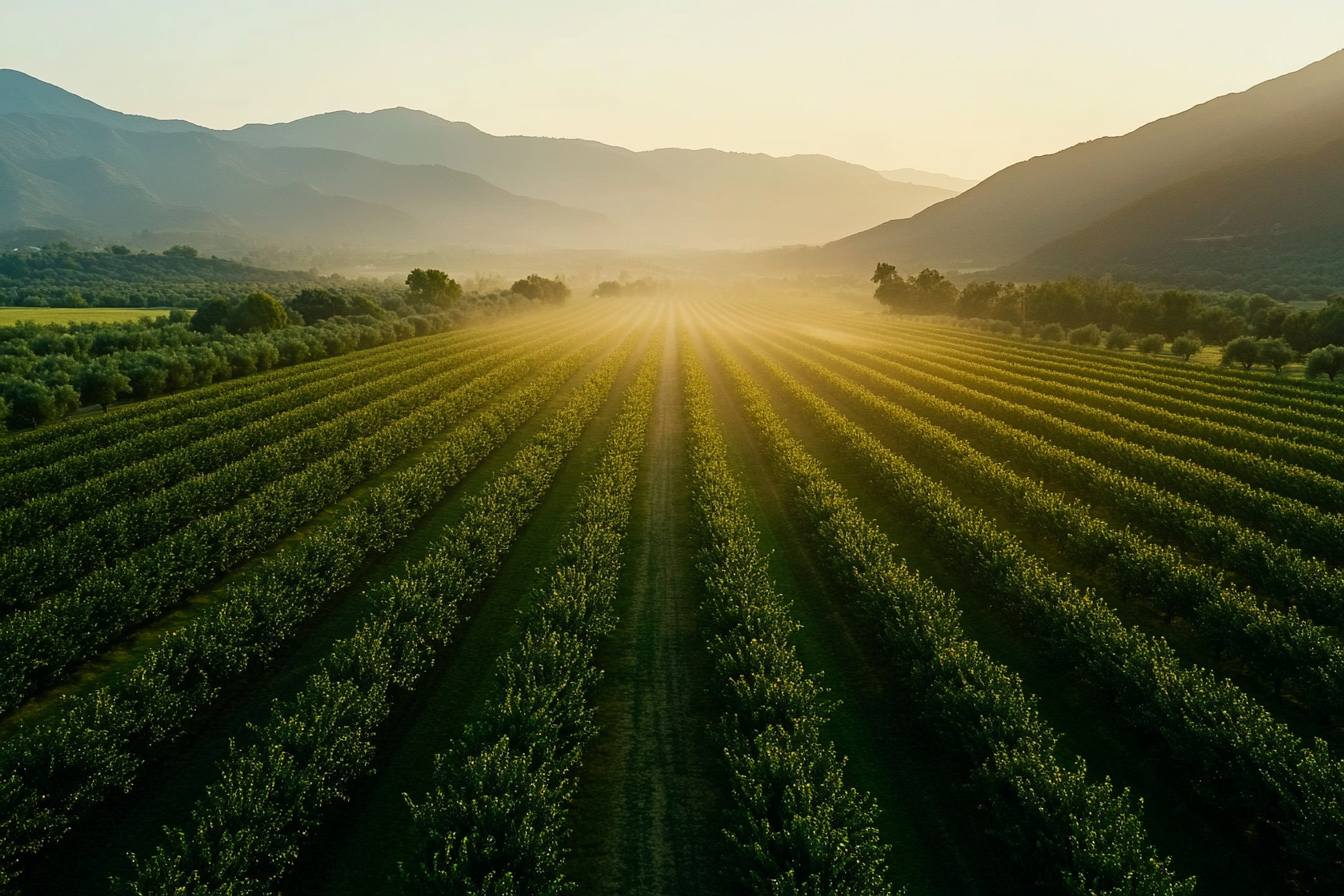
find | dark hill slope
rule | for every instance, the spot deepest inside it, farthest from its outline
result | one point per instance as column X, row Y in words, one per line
column 1269, row 224
column 1045, row 198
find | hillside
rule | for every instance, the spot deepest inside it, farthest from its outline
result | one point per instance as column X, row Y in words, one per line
column 76, row 174
column 1269, row 225
column 1048, row 197
column 666, row 197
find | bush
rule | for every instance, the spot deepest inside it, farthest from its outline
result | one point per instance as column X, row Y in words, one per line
column 1186, row 345
column 1052, row 333
column 1150, row 344
column 1119, row 339
column 1088, row 335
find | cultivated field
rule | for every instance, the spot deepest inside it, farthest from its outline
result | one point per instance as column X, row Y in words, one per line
column 681, row 595
column 11, row 316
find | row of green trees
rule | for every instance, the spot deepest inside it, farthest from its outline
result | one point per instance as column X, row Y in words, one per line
column 794, row 825
column 1077, row 836
column 494, row 820
column 1077, row 302
column 1275, row 644
column 247, row 830
column 1239, row 752
column 54, row 773
column 146, row 554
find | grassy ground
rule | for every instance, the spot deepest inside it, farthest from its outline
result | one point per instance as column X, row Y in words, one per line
column 10, row 316
column 651, row 791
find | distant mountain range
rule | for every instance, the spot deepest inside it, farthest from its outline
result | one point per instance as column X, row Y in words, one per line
column 1222, row 170
column 406, row 179
column 929, row 179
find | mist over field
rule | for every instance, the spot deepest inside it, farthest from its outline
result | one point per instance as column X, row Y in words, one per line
column 613, row 448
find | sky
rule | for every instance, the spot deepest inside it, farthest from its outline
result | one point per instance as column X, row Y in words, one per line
column 963, row 87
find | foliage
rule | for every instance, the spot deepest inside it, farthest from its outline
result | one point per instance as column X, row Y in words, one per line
column 433, row 287
column 1150, row 344
column 276, row 790
column 794, row 826
column 927, row 292
column 1186, row 346
column 552, row 292
column 1119, row 339
column 1244, row 350
column 494, row 820
column 1088, row 335
column 1079, row 831
column 97, row 745
column 1328, row 360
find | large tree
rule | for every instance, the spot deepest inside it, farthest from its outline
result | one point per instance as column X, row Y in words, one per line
column 433, row 287
column 259, row 313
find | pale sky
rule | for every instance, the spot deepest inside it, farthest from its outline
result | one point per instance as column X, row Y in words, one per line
column 963, row 87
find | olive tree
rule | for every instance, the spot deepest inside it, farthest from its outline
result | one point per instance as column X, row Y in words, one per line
column 1186, row 345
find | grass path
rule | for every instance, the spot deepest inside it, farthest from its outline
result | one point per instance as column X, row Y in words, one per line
column 646, row 816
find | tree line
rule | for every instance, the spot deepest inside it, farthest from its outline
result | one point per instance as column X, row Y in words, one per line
column 1255, row 329
column 48, row 371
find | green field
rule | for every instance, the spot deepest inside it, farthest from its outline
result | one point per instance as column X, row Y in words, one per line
column 681, row 596
column 10, row 316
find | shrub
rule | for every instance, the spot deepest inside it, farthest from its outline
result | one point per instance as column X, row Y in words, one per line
column 1150, row 344
column 1088, row 335
column 1119, row 339
column 1052, row 333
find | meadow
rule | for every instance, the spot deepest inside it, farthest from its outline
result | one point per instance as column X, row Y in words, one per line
column 10, row 316
column 681, row 594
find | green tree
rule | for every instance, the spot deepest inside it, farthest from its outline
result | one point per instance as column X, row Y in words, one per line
column 607, row 289
column 1052, row 333
column 1328, row 360
column 118, row 250
column 181, row 252
column 1150, row 344
column 1186, row 345
column 433, row 287
column 884, row 273
column 100, row 382
column 258, row 312
column 30, row 403
column 1275, row 353
column 1088, row 335
column 1243, row 350
column 319, row 304
column 1119, row 339
column 534, row 286
column 215, row 312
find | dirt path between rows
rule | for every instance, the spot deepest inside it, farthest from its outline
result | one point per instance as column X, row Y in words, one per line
column 649, row 811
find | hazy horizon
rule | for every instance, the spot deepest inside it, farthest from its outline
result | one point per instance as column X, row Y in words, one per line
column 963, row 89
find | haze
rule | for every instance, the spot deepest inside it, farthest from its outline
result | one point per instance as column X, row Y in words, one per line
column 962, row 87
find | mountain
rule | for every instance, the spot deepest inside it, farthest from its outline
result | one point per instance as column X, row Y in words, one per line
column 666, row 197
column 929, row 179
column 1266, row 225
column 24, row 93
column 1034, row 202
column 76, row 173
